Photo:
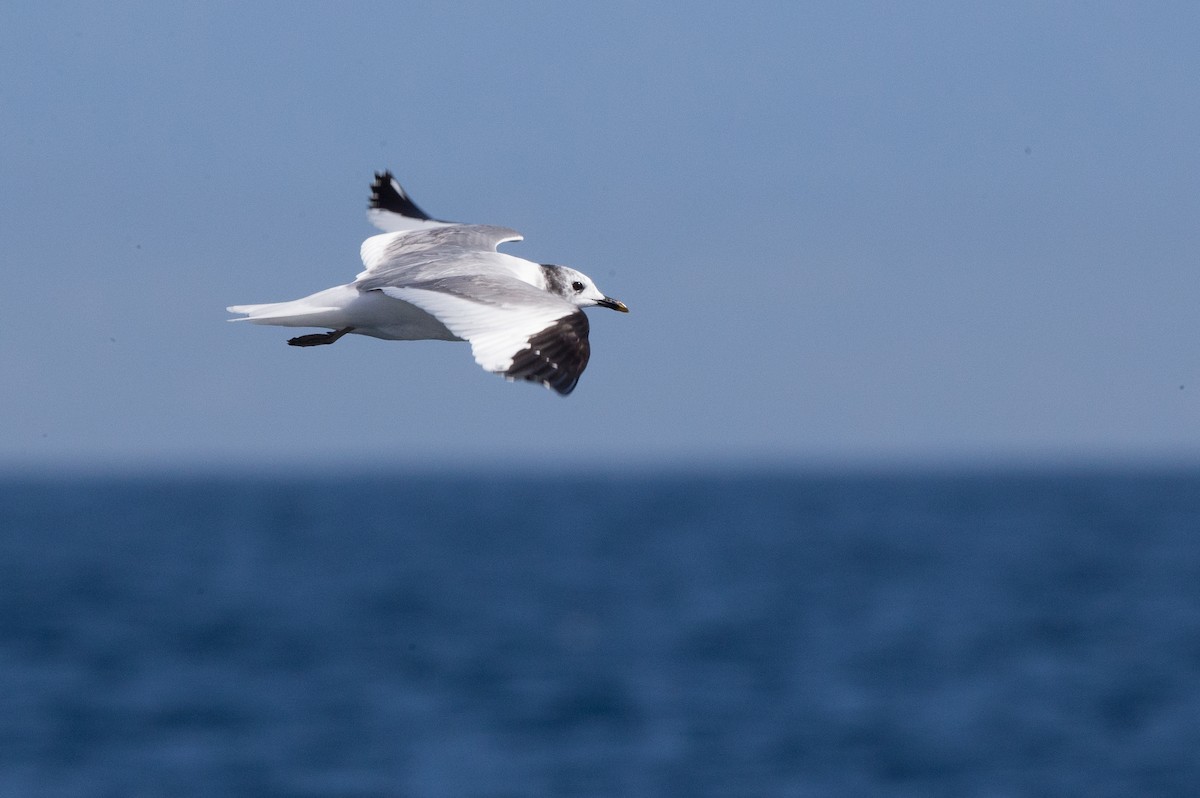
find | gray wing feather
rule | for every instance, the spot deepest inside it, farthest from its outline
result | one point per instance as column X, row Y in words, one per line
column 495, row 290
column 469, row 273
column 398, row 259
column 469, row 237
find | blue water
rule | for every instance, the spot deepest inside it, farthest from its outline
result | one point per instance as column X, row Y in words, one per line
column 758, row 635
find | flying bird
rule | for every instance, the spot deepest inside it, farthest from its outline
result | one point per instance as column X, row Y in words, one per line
column 427, row 279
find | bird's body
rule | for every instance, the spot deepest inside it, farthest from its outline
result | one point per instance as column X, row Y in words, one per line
column 431, row 280
column 370, row 313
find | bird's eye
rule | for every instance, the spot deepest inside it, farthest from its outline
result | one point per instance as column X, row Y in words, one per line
column 578, row 286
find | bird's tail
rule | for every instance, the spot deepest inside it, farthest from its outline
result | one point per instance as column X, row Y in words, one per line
column 319, row 310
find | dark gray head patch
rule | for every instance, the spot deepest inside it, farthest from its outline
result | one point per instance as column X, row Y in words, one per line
column 556, row 282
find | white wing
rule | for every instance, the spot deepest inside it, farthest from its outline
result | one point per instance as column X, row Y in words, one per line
column 518, row 331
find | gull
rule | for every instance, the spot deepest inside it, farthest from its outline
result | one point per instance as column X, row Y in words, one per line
column 427, row 279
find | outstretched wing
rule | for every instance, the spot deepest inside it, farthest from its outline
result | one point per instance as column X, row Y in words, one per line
column 519, row 331
column 451, row 241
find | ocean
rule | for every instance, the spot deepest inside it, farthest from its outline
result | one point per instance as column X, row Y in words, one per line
column 749, row 634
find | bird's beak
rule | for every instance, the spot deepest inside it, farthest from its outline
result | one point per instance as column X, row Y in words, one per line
column 613, row 304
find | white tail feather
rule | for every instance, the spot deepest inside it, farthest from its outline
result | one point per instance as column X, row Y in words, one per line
column 322, row 309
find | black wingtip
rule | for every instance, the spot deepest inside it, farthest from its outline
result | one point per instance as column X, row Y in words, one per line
column 388, row 195
column 556, row 356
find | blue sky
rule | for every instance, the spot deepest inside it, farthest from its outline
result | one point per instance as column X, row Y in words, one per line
column 847, row 233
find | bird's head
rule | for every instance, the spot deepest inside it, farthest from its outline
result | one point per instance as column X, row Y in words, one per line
column 577, row 288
